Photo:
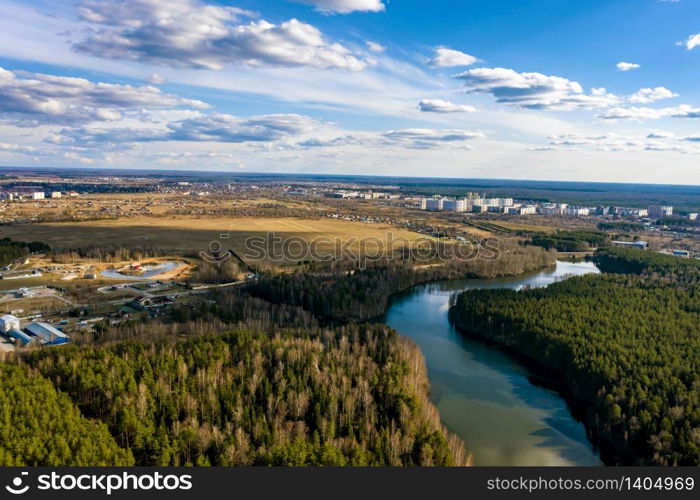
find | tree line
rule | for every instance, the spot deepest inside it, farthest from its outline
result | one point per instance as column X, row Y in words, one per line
column 363, row 294
column 571, row 241
column 633, row 261
column 13, row 250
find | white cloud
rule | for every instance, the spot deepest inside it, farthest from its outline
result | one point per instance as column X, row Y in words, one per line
column 227, row 128
column 660, row 134
column 447, row 58
column 375, row 47
column 190, row 34
column 17, row 148
column 645, row 113
column 413, row 138
column 345, row 6
column 612, row 142
column 442, row 106
column 206, row 128
column 645, row 96
column 533, row 90
column 692, row 41
column 156, row 79
column 627, row 66
column 424, row 134
column 29, row 99
column 633, row 113
column 549, row 148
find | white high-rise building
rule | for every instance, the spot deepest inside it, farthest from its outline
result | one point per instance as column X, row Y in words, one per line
column 434, row 204
column 659, row 212
column 456, row 205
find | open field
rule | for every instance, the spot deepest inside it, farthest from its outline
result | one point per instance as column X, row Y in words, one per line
column 180, row 234
column 516, row 226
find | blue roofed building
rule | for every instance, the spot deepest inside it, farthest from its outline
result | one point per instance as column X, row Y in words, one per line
column 47, row 334
column 20, row 336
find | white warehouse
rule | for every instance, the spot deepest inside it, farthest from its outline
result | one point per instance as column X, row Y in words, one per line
column 8, row 323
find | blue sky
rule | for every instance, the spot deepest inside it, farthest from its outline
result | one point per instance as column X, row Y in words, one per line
column 539, row 89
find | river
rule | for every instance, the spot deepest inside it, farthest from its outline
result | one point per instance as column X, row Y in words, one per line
column 491, row 400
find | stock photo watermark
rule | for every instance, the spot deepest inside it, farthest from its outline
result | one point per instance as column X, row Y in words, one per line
column 276, row 248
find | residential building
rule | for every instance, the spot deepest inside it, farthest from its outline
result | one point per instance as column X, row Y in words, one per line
column 434, row 204
column 576, row 211
column 455, row 205
column 550, row 209
column 659, row 212
column 523, row 210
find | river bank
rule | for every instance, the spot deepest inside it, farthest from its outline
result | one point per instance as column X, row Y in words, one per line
column 498, row 405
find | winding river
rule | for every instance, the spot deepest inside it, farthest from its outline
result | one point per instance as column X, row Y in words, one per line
column 491, row 400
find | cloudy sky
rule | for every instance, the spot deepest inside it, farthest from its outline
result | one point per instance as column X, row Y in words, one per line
column 602, row 90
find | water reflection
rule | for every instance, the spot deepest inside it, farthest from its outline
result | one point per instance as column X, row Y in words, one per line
column 482, row 393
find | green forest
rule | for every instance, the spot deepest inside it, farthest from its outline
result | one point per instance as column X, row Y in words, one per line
column 571, row 241
column 237, row 381
column 361, row 295
column 625, row 346
column 620, row 226
column 13, row 250
column 349, row 396
column 281, row 372
column 661, row 266
column 41, row 426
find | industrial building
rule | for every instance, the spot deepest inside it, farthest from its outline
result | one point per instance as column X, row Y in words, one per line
column 38, row 195
column 642, row 245
column 42, row 333
column 8, row 323
column 47, row 334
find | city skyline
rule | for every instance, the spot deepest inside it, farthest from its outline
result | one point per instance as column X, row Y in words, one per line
column 595, row 91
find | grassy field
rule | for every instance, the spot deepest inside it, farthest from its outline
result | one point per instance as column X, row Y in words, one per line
column 195, row 234
column 516, row 226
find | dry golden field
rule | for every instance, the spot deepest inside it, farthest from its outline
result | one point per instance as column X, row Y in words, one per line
column 186, row 234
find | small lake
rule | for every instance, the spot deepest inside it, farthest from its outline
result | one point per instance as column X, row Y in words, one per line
column 491, row 400
column 148, row 271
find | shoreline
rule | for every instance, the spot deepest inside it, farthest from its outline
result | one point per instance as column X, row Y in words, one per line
column 540, row 375
column 548, row 378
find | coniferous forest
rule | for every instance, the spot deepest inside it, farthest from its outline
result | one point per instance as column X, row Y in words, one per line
column 625, row 345
column 238, row 381
column 350, row 396
column 281, row 372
